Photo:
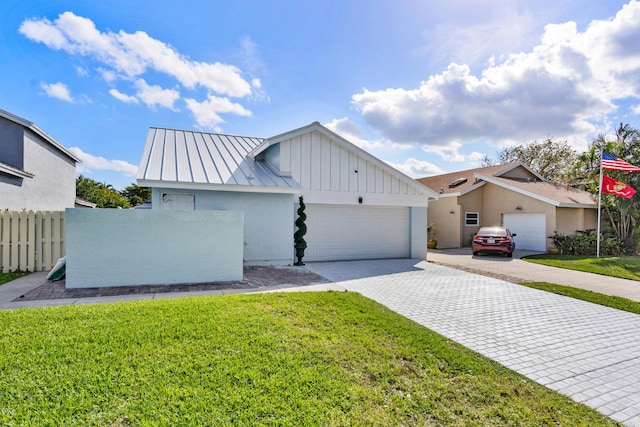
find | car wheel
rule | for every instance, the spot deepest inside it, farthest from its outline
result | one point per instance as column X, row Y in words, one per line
column 510, row 254
column 475, row 253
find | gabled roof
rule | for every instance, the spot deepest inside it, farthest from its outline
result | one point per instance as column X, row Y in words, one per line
column 514, row 176
column 549, row 192
column 183, row 158
column 349, row 146
column 441, row 184
column 180, row 158
column 42, row 134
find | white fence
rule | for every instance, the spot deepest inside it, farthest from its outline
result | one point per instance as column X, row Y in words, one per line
column 31, row 241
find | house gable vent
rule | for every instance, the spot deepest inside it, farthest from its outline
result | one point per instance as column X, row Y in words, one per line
column 457, row 182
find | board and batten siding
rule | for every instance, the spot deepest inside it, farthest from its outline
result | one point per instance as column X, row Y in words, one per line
column 331, row 173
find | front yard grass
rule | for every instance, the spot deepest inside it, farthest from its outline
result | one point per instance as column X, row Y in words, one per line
column 12, row 275
column 288, row 359
column 585, row 295
column 627, row 267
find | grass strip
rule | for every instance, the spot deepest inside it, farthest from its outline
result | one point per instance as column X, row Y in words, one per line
column 585, row 295
column 290, row 359
column 627, row 267
column 12, row 275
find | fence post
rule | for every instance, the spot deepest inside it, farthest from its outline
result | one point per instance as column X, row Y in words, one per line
column 5, row 240
column 31, row 241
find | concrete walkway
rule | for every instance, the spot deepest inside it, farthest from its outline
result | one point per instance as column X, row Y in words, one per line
column 516, row 270
column 586, row 351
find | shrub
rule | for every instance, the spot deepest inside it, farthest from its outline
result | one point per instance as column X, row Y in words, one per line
column 585, row 243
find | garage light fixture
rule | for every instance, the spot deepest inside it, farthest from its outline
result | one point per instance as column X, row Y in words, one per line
column 518, row 208
column 452, row 211
column 360, row 200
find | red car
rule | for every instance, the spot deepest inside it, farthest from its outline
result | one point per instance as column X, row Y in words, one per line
column 494, row 239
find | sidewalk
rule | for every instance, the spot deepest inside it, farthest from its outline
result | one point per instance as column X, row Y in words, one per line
column 516, row 270
column 33, row 290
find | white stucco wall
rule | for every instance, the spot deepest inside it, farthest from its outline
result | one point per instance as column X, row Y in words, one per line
column 268, row 221
column 108, row 247
column 53, row 186
column 418, row 232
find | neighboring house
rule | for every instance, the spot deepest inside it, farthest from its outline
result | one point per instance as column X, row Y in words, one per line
column 36, row 172
column 510, row 195
column 82, row 203
column 358, row 207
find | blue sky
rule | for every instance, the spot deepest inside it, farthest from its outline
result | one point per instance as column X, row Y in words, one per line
column 427, row 86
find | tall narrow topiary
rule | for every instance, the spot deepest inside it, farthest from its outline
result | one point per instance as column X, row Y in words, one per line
column 298, row 237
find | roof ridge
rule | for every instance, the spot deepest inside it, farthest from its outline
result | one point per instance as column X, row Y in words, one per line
column 205, row 132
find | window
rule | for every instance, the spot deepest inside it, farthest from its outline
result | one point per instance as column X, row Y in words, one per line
column 471, row 219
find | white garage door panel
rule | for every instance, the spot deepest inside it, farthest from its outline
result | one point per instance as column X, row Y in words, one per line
column 530, row 229
column 356, row 232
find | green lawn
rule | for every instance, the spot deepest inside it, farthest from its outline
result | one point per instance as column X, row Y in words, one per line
column 585, row 295
column 627, row 267
column 288, row 359
column 7, row 277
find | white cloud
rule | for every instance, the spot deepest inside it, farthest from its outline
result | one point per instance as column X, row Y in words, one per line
column 636, row 109
column 57, row 90
column 133, row 54
column 81, row 71
column 90, row 162
column 108, row 75
column 128, row 99
column 417, row 168
column 448, row 152
column 206, row 112
column 154, row 95
column 354, row 134
column 564, row 87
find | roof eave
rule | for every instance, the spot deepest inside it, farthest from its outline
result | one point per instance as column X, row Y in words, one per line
column 217, row 187
column 519, row 190
column 35, row 129
column 515, row 165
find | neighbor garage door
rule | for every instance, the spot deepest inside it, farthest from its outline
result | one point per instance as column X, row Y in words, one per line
column 356, row 232
column 530, row 229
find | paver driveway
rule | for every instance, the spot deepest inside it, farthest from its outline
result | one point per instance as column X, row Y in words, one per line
column 586, row 351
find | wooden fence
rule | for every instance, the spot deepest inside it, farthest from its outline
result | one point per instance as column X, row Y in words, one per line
column 31, row 241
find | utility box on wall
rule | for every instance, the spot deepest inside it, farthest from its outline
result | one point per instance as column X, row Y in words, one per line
column 109, row 247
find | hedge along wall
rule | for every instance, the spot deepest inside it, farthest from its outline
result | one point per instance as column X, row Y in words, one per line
column 109, row 247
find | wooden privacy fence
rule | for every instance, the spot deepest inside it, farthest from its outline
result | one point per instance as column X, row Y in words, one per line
column 31, row 241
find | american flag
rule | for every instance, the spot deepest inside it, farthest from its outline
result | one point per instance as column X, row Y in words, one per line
column 613, row 163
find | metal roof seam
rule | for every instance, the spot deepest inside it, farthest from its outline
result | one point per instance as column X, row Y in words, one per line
column 199, row 157
column 222, row 157
column 147, row 161
column 206, row 147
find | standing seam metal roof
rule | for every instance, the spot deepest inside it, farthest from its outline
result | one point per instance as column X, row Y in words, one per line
column 181, row 156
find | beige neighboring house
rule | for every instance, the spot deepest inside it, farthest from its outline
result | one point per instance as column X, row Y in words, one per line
column 510, row 195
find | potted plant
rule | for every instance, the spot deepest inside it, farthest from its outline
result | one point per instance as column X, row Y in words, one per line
column 432, row 243
column 555, row 243
column 298, row 237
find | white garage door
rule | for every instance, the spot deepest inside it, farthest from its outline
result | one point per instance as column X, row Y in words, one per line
column 356, row 232
column 530, row 229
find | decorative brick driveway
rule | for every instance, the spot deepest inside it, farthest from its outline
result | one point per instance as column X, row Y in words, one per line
column 586, row 351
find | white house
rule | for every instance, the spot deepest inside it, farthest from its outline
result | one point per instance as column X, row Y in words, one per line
column 36, row 172
column 358, row 207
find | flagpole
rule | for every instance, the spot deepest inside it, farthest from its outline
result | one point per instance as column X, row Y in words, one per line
column 599, row 207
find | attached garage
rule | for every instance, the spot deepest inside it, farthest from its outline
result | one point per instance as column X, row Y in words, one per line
column 358, row 207
column 357, row 232
column 530, row 230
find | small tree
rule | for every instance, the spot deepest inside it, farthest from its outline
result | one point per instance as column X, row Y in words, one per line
column 298, row 236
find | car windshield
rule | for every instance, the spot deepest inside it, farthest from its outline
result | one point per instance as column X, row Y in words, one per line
column 493, row 231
